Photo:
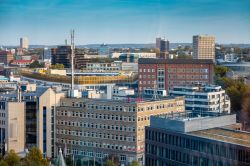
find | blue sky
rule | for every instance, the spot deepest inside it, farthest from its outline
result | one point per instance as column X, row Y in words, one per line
column 123, row 21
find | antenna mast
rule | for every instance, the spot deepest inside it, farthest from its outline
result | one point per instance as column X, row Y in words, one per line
column 72, row 34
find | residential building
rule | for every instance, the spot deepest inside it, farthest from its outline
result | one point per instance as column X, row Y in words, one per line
column 6, row 57
column 12, row 126
column 203, row 98
column 204, row 47
column 21, row 63
column 166, row 73
column 39, row 111
column 24, row 43
column 196, row 139
column 163, row 45
column 96, row 128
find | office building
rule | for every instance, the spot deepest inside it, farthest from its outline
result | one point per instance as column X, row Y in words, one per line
column 39, row 111
column 104, row 50
column 163, row 45
column 166, row 73
column 24, row 43
column 196, row 139
column 204, row 47
column 6, row 57
column 62, row 55
column 12, row 126
column 96, row 128
column 203, row 98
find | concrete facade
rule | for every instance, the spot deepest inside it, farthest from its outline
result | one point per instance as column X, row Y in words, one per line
column 98, row 128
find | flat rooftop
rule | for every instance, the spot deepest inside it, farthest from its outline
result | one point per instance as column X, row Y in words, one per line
column 190, row 122
column 225, row 135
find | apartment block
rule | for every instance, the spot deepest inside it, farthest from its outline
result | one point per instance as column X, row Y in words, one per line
column 166, row 73
column 204, row 47
column 196, row 139
column 96, row 128
column 203, row 98
column 12, row 126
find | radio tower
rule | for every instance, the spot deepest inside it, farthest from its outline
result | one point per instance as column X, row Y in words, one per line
column 72, row 34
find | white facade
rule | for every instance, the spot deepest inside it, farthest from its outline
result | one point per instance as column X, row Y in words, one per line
column 140, row 54
column 104, row 66
column 203, row 98
column 230, row 58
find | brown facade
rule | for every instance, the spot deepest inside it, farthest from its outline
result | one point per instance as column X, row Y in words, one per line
column 6, row 57
column 166, row 73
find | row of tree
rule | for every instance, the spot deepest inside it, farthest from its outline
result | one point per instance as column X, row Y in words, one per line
column 33, row 158
column 237, row 90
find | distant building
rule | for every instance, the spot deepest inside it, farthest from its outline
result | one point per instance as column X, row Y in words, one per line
column 204, row 47
column 12, row 126
column 196, row 139
column 195, row 96
column 21, row 63
column 166, row 73
column 163, row 46
column 104, row 50
column 62, row 55
column 97, row 128
column 135, row 56
column 24, row 43
column 6, row 57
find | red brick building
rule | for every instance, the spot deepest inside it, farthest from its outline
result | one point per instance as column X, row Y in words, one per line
column 166, row 73
column 6, row 57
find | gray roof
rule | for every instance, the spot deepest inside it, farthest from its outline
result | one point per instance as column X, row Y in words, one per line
column 174, row 61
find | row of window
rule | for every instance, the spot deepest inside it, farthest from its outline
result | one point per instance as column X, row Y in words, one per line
column 86, row 153
column 97, row 135
column 96, row 144
column 96, row 116
column 173, row 70
column 96, row 125
column 197, row 145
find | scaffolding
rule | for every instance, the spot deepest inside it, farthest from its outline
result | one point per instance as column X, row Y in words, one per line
column 79, row 79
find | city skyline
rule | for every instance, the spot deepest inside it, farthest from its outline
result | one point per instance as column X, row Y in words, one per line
column 123, row 21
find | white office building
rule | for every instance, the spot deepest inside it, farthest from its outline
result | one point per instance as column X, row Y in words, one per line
column 203, row 98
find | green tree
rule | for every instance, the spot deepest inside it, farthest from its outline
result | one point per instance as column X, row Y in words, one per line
column 57, row 66
column 35, row 158
column 134, row 163
column 109, row 163
column 36, row 64
column 3, row 163
column 12, row 158
column 220, row 71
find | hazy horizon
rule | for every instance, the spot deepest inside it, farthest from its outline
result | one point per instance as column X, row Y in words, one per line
column 123, row 21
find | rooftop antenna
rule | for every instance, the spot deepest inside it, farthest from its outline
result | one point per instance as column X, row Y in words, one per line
column 155, row 94
column 72, row 35
column 19, row 93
